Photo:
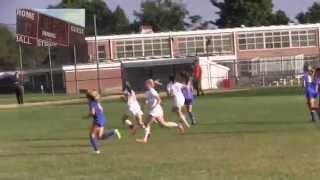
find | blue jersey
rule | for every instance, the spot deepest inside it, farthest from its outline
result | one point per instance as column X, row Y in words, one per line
column 99, row 118
column 310, row 86
column 188, row 91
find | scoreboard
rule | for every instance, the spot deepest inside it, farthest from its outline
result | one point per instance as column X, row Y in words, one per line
column 37, row 29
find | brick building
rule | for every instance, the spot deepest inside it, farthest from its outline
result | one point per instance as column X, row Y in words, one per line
column 228, row 47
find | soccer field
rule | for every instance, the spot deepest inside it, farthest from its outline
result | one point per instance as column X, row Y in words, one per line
column 252, row 135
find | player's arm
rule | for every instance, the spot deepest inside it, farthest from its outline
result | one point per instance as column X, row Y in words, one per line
column 92, row 112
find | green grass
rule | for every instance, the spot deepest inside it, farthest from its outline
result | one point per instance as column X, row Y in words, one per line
column 254, row 135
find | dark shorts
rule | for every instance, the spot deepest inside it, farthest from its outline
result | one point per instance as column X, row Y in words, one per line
column 188, row 102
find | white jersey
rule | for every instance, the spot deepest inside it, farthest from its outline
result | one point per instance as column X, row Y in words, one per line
column 175, row 90
column 132, row 102
column 154, row 107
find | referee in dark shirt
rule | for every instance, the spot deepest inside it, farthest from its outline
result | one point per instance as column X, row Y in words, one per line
column 19, row 90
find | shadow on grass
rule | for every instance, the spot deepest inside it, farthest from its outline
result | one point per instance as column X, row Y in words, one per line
column 281, row 91
column 244, row 132
column 57, row 146
column 255, row 123
column 15, row 155
column 51, row 139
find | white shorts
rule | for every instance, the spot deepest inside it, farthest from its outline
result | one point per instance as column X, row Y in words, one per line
column 178, row 103
column 156, row 112
column 134, row 112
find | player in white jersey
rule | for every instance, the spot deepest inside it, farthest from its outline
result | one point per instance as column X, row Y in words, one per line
column 153, row 101
column 134, row 111
column 174, row 89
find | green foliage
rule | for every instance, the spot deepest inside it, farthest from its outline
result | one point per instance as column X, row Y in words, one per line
column 235, row 13
column 9, row 54
column 162, row 15
column 280, row 18
column 311, row 16
column 121, row 24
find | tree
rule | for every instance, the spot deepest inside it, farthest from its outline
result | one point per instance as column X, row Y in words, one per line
column 162, row 15
column 196, row 22
column 8, row 50
column 234, row 13
column 121, row 23
column 280, row 18
column 311, row 16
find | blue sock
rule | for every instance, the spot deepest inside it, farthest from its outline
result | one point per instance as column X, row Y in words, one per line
column 93, row 142
column 108, row 134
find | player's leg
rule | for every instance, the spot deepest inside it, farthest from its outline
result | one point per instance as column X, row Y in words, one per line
column 138, row 123
column 162, row 122
column 126, row 121
column 314, row 109
column 181, row 116
column 93, row 138
column 191, row 114
column 147, row 129
column 196, row 87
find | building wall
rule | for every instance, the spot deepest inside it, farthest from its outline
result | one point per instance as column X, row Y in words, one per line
column 110, row 80
column 247, row 55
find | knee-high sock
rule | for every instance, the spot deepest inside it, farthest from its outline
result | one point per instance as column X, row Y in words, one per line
column 184, row 121
column 171, row 124
column 147, row 131
column 314, row 116
column 192, row 116
column 106, row 135
column 93, row 142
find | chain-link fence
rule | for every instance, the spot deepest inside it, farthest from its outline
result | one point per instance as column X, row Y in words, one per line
column 266, row 72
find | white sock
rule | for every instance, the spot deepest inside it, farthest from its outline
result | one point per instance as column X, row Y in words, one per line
column 185, row 121
column 147, row 131
column 171, row 124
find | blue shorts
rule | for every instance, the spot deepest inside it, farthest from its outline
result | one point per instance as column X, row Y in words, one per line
column 188, row 102
column 99, row 123
column 311, row 94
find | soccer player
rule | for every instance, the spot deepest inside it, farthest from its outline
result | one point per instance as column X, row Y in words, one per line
column 187, row 91
column 134, row 110
column 99, row 121
column 310, row 92
column 174, row 89
column 153, row 101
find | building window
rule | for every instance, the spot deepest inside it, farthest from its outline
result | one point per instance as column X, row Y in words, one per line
column 304, row 38
column 277, row 39
column 129, row 49
column 102, row 53
column 251, row 40
column 191, row 46
column 220, row 44
column 157, row 47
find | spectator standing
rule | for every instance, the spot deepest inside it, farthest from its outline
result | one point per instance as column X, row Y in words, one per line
column 197, row 76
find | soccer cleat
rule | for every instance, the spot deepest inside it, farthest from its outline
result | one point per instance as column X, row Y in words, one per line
column 118, row 134
column 142, row 141
column 97, row 152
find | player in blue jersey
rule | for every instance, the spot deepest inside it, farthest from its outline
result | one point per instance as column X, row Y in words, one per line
column 317, row 84
column 187, row 91
column 311, row 92
column 99, row 121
